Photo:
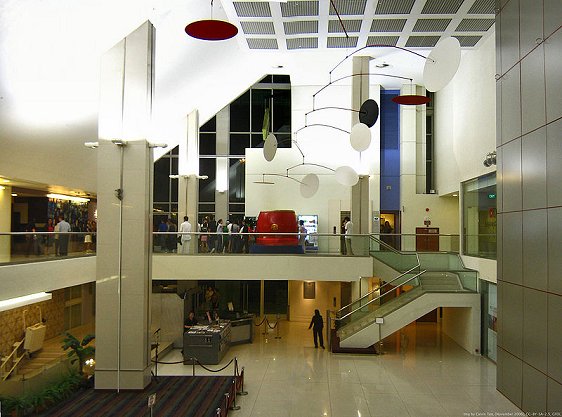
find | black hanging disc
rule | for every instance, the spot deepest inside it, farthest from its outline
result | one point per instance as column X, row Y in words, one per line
column 369, row 112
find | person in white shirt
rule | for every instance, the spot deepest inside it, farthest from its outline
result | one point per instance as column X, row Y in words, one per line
column 64, row 227
column 185, row 228
column 348, row 232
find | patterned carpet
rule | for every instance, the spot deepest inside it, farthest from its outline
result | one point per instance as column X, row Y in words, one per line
column 198, row 396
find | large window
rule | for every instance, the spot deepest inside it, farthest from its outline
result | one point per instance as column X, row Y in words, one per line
column 266, row 104
column 166, row 188
column 429, row 141
column 480, row 217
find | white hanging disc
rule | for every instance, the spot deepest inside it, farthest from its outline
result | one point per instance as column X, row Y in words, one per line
column 346, row 176
column 360, row 137
column 309, row 185
column 270, row 147
column 442, row 64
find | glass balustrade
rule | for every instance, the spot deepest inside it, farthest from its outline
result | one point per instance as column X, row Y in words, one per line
column 20, row 247
column 242, row 243
column 375, row 300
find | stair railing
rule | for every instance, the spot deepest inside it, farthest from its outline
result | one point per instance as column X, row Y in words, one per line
column 11, row 360
column 340, row 311
column 379, row 297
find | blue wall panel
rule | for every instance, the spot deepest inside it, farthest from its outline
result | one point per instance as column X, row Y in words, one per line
column 390, row 151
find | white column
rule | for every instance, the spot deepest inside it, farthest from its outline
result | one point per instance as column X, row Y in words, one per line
column 360, row 199
column 5, row 222
column 188, row 169
column 223, row 141
column 124, row 247
column 412, row 145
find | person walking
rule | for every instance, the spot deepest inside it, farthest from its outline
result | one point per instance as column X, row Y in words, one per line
column 317, row 324
column 348, row 224
column 219, row 241
column 172, row 240
column 185, row 239
column 302, row 236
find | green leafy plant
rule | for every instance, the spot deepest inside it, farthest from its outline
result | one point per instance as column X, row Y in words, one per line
column 80, row 351
column 49, row 397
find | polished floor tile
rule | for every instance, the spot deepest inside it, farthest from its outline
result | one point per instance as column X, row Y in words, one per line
column 421, row 373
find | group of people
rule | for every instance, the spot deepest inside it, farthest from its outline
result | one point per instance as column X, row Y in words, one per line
column 211, row 307
column 167, row 242
column 38, row 244
column 214, row 236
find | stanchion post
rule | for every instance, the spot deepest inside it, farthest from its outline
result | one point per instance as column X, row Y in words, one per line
column 264, row 324
column 193, row 365
column 329, row 329
column 234, row 406
column 242, row 392
column 277, row 325
column 380, row 339
column 218, row 412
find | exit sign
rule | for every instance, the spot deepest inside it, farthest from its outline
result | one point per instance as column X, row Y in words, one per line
column 491, row 196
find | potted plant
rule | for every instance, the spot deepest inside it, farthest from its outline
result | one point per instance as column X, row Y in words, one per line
column 80, row 350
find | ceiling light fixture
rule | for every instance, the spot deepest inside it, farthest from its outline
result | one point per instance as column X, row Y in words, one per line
column 68, row 197
column 211, row 30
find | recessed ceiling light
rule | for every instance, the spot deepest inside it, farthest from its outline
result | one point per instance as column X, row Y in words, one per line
column 382, row 65
column 14, row 195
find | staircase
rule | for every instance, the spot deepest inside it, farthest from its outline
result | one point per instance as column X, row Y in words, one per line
column 435, row 280
column 10, row 363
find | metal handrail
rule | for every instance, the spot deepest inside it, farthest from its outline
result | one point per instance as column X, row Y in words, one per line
column 386, row 245
column 386, row 283
column 380, row 296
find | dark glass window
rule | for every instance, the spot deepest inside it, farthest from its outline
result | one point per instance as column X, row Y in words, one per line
column 281, row 120
column 206, row 208
column 283, row 140
column 162, row 179
column 276, row 297
column 210, row 126
column 207, row 166
column 240, row 113
column 282, row 79
column 236, row 208
column 260, row 99
column 238, row 143
column 266, row 80
column 174, row 189
column 257, row 140
column 161, row 207
column 207, row 143
column 236, row 181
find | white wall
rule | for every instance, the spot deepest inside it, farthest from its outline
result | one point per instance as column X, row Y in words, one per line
column 302, row 309
column 465, row 126
column 167, row 315
column 320, row 145
column 257, row 267
column 462, row 324
column 487, row 268
column 29, row 278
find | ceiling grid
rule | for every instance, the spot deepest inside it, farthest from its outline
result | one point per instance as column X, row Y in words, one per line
column 403, row 23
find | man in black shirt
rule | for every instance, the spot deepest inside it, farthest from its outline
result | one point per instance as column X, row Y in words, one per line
column 317, row 324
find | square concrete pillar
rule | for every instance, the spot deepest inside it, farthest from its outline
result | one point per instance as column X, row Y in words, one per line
column 124, row 246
